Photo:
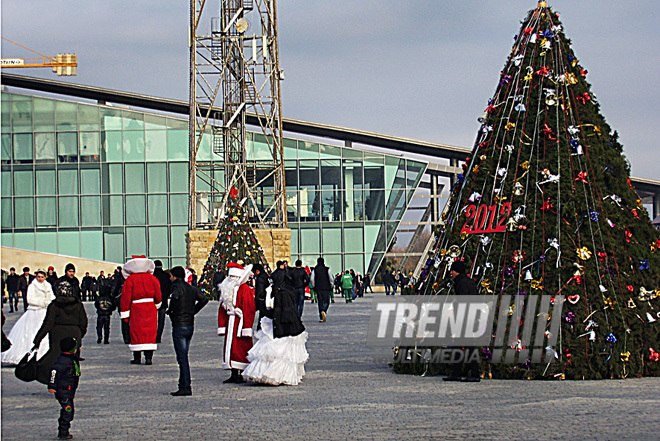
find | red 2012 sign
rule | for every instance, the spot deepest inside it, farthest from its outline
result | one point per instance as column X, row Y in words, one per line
column 481, row 220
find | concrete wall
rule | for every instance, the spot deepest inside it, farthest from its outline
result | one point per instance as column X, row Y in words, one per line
column 19, row 258
column 276, row 244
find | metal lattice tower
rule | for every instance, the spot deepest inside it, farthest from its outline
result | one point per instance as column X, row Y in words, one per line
column 235, row 75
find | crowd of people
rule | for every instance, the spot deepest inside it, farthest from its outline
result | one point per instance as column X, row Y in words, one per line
column 259, row 316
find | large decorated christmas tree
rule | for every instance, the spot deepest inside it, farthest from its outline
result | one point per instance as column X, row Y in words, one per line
column 546, row 207
column 236, row 242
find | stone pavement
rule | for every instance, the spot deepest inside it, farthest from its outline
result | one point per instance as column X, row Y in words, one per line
column 345, row 395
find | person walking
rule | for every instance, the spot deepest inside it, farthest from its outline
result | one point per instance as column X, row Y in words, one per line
column 40, row 295
column 165, row 290
column 347, row 286
column 23, row 283
column 185, row 302
column 367, row 283
column 463, row 285
column 51, row 276
column 104, row 305
column 321, row 281
column 65, row 317
column 261, row 284
column 63, row 382
column 84, row 286
column 70, row 278
column 299, row 280
column 12, row 289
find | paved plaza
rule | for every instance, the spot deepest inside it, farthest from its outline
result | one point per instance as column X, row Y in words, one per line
column 345, row 395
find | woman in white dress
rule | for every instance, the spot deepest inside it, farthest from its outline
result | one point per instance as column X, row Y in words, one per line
column 279, row 355
column 39, row 296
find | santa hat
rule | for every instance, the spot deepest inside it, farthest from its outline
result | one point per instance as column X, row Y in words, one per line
column 234, row 269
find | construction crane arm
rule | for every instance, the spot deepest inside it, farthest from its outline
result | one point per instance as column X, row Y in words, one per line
column 62, row 64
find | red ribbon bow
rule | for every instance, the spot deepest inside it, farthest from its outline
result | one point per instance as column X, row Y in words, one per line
column 547, row 131
column 528, row 31
column 655, row 356
column 543, row 71
column 490, row 109
column 547, row 205
column 628, row 234
column 634, row 212
column 584, row 98
column 601, row 256
column 584, row 72
column 582, row 177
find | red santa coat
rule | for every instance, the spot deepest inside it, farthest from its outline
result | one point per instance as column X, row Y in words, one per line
column 140, row 300
column 236, row 326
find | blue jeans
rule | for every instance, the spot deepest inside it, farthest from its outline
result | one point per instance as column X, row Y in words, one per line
column 324, row 301
column 387, row 289
column 300, row 300
column 181, row 336
column 13, row 301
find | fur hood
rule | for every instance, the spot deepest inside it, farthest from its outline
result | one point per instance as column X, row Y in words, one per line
column 138, row 266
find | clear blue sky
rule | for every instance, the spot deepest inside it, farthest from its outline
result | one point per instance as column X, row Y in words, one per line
column 422, row 69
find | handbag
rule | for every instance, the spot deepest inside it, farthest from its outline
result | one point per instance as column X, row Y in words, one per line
column 26, row 370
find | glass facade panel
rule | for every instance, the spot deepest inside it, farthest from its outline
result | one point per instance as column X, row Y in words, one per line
column 157, row 177
column 331, row 238
column 67, row 181
column 66, row 114
column 154, row 122
column 354, row 262
column 23, row 184
column 178, row 241
column 22, row 146
column 69, row 243
column 45, row 149
column 90, row 210
column 6, row 148
column 7, row 214
column 23, row 213
column 46, row 182
column 90, row 150
column 113, row 146
column 46, row 241
column 333, row 261
column 353, row 239
column 132, row 120
column 136, row 241
column 110, row 119
column 157, row 209
column 24, row 241
column 177, row 145
column 309, row 238
column 134, row 145
column 46, row 212
column 308, row 150
column 88, row 117
column 90, row 181
column 6, row 183
column 68, row 211
column 134, row 178
column 92, row 244
column 158, row 241
column 113, row 247
column 21, row 115
column 44, row 115
column 178, row 174
column 135, row 210
column 116, row 178
column 116, row 212
column 155, row 145
column 67, row 147
column 178, row 209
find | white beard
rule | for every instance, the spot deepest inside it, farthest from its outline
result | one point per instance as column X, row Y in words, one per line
column 228, row 288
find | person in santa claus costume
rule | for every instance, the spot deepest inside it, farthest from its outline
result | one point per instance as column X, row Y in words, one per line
column 235, row 319
column 140, row 300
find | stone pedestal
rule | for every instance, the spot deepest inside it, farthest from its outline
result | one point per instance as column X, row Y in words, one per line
column 275, row 242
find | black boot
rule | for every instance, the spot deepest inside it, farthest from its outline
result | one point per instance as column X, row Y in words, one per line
column 148, row 356
column 137, row 357
column 235, row 377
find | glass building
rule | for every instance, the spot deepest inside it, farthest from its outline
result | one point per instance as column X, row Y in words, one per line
column 104, row 182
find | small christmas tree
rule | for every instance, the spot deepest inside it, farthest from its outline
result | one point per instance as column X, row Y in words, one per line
column 546, row 207
column 236, row 242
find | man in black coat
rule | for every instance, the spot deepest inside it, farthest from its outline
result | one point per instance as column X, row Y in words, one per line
column 464, row 286
column 23, row 283
column 12, row 288
column 165, row 290
column 322, row 283
column 84, row 286
column 299, row 281
column 70, row 276
column 185, row 302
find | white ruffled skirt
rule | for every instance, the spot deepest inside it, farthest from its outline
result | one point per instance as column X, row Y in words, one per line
column 22, row 335
column 276, row 361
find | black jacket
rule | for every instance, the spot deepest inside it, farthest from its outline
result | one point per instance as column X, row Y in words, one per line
column 64, row 376
column 261, row 283
column 23, row 283
column 104, row 306
column 165, row 286
column 464, row 286
column 185, row 302
column 321, row 280
column 299, row 278
column 52, row 279
column 286, row 321
column 12, row 282
column 75, row 285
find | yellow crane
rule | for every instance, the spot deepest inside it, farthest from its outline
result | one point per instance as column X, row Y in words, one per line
column 62, row 64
